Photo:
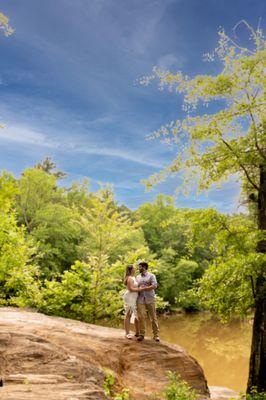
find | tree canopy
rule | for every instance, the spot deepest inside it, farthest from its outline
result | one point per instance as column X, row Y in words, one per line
column 232, row 140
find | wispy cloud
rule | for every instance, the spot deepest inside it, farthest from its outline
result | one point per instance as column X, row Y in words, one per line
column 25, row 135
column 119, row 153
column 170, row 60
column 147, row 15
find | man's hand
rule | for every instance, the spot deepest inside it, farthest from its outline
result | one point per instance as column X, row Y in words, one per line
column 147, row 288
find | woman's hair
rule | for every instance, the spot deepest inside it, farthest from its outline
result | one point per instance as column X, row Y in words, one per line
column 129, row 269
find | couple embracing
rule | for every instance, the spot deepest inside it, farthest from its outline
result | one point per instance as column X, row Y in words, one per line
column 139, row 299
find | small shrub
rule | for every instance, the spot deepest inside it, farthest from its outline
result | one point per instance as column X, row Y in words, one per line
column 109, row 387
column 177, row 389
column 124, row 395
column 108, row 383
column 253, row 395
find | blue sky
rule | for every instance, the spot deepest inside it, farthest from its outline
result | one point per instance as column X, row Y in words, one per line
column 67, row 86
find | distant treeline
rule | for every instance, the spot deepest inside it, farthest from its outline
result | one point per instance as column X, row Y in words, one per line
column 64, row 250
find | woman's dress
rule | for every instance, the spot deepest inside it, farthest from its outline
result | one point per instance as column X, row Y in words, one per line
column 130, row 301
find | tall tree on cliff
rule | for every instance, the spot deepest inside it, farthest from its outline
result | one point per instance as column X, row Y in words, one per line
column 231, row 141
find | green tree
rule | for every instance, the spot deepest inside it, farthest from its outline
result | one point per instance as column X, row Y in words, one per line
column 44, row 210
column 8, row 191
column 202, row 226
column 36, row 190
column 17, row 271
column 228, row 285
column 109, row 234
column 78, row 195
column 230, row 141
column 159, row 232
column 90, row 290
column 106, row 230
column 166, row 227
column 178, row 278
column 49, row 166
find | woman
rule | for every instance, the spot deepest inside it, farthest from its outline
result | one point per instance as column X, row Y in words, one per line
column 130, row 298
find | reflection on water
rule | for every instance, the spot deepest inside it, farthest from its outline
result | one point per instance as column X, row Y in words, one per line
column 221, row 350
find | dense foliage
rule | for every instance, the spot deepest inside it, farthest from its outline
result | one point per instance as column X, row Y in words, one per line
column 17, row 268
column 64, row 250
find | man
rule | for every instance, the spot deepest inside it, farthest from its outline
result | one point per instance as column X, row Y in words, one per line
column 146, row 301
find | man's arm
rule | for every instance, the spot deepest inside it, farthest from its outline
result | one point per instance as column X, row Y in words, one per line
column 153, row 284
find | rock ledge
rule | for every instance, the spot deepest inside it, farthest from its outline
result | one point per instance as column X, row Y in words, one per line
column 53, row 358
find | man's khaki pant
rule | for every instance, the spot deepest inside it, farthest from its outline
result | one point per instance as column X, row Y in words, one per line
column 142, row 314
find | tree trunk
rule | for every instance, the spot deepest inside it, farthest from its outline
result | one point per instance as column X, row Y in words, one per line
column 257, row 366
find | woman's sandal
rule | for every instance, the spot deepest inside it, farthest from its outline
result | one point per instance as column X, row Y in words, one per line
column 129, row 336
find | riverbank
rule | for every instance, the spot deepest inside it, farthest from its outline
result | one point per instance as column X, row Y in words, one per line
column 221, row 349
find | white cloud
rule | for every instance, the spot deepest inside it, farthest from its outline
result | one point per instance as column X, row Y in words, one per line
column 20, row 134
column 169, row 61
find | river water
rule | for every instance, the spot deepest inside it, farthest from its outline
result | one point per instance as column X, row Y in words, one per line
column 221, row 350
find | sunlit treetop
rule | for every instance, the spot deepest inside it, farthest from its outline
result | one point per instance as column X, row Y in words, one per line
column 4, row 25
column 232, row 140
column 7, row 30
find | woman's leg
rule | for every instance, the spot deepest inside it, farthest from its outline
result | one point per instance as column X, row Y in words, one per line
column 127, row 322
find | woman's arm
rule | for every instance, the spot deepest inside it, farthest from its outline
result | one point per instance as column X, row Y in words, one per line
column 131, row 286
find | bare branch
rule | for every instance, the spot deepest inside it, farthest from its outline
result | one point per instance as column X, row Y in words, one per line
column 254, row 128
column 241, row 165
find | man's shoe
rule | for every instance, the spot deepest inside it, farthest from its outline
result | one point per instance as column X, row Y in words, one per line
column 140, row 338
column 156, row 339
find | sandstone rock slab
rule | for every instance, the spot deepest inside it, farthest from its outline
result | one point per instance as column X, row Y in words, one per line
column 44, row 357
